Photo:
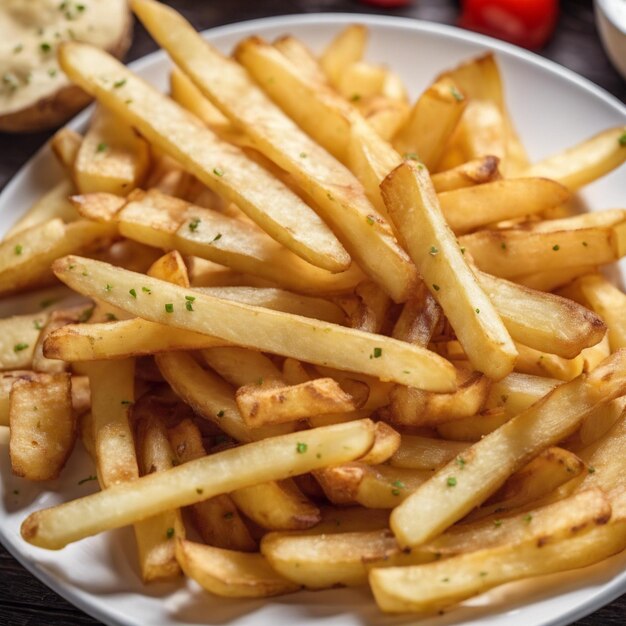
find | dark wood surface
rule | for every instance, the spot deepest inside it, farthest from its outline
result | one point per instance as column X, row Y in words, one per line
column 24, row 601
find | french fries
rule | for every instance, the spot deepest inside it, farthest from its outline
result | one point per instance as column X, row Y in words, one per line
column 231, row 574
column 198, row 480
column 313, row 341
column 219, row 165
column 411, row 200
column 583, row 163
column 574, row 540
column 42, row 426
column 470, row 478
column 338, row 337
column 216, row 519
column 237, row 97
column 111, row 158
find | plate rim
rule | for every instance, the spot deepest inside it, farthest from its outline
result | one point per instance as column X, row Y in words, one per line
column 607, row 592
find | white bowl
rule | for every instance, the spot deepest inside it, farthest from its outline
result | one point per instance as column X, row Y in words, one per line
column 611, row 22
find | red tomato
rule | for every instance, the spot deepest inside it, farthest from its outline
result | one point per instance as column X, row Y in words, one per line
column 527, row 23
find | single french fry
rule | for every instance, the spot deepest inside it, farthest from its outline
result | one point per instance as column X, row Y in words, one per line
column 42, row 426
column 386, row 443
column 608, row 217
column 411, row 200
column 190, row 97
column 425, row 453
column 346, row 48
column 482, row 131
column 260, row 405
column 219, row 473
column 543, row 321
column 338, row 195
column 419, row 319
column 516, row 392
column 469, row 208
column 240, row 367
column 53, row 204
column 510, row 253
column 277, row 505
column 374, row 487
column 58, row 319
column 7, row 379
column 156, row 535
column 549, row 280
column 325, row 561
column 475, row 172
column 600, row 421
column 585, row 162
column 26, row 257
column 120, row 339
column 308, row 340
column 220, row 166
column 431, row 122
column 455, row 490
column 609, row 303
column 98, row 206
column 474, row 428
column 298, row 53
column 231, row 574
column 414, row 407
column 216, row 519
column 18, row 337
column 112, row 157
column 361, row 80
column 65, row 144
column 538, row 363
column 112, row 398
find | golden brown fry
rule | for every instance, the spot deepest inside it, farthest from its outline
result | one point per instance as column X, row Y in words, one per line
column 231, row 574
column 326, row 561
column 219, row 473
column 42, row 426
column 65, row 144
column 374, row 487
column 112, row 157
column 475, row 172
column 309, row 340
column 220, row 166
column 510, row 253
column 112, row 398
column 156, row 535
column 423, row 515
column 585, row 162
column 431, row 122
column 346, row 48
column 412, row 203
column 260, row 405
column 425, row 453
column 543, row 321
column 469, row 208
column 277, row 505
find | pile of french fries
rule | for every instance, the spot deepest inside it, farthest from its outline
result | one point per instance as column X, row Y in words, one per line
column 334, row 337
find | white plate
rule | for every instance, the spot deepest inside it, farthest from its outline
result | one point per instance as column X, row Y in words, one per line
column 552, row 108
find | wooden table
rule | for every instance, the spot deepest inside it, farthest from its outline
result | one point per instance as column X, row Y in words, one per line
column 24, row 601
